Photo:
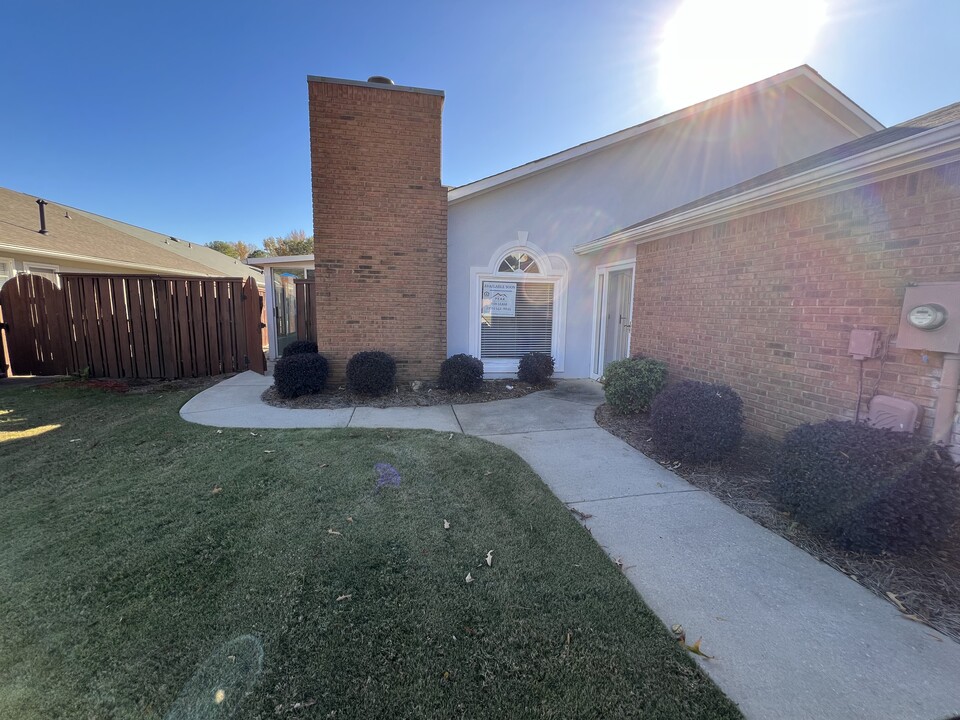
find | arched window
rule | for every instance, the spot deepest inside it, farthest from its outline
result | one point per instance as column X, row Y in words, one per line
column 519, row 262
column 518, row 307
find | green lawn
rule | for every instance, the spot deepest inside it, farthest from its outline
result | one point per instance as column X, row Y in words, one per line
column 146, row 564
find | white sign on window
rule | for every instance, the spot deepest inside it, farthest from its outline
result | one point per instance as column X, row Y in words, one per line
column 499, row 299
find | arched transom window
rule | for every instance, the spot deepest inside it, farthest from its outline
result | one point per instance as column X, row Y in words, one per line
column 519, row 262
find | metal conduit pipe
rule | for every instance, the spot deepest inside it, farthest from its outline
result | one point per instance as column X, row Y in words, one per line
column 947, row 399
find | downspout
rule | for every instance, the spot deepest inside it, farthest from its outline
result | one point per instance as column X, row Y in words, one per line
column 947, row 400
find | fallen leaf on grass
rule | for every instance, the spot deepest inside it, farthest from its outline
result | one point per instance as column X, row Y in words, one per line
column 344, row 597
column 255, row 434
column 695, row 649
column 469, row 578
column 488, row 472
column 303, row 705
column 489, row 558
column 77, row 440
column 267, row 452
column 219, row 432
column 446, row 524
column 896, row 601
column 216, row 489
column 350, row 519
column 580, row 514
column 331, row 531
column 324, row 465
column 451, row 437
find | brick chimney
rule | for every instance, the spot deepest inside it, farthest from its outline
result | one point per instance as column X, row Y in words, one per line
column 379, row 223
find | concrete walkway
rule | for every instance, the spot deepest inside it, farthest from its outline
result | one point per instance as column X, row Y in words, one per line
column 791, row 637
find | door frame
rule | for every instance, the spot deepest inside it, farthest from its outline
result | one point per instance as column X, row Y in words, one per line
column 599, row 329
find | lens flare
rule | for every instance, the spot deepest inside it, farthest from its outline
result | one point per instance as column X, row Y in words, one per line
column 709, row 47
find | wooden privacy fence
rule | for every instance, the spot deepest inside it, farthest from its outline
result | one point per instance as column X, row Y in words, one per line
column 306, row 309
column 132, row 326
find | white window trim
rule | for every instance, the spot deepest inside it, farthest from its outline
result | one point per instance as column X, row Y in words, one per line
column 553, row 270
column 12, row 265
column 601, row 282
column 42, row 267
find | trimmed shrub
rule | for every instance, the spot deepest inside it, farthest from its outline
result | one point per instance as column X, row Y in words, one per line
column 696, row 421
column 535, row 368
column 300, row 374
column 299, row 346
column 371, row 372
column 631, row 385
column 868, row 489
column 461, row 373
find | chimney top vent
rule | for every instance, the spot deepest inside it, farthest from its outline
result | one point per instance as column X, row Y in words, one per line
column 380, row 79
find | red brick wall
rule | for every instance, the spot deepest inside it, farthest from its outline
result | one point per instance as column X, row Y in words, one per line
column 380, row 225
column 766, row 302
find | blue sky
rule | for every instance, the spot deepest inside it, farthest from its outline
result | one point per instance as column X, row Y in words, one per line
column 190, row 118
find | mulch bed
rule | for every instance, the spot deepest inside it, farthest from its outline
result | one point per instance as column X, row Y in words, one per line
column 405, row 396
column 925, row 585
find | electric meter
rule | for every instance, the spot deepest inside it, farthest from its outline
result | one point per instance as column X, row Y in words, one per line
column 927, row 317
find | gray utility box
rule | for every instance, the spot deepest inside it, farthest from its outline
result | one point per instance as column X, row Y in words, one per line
column 930, row 304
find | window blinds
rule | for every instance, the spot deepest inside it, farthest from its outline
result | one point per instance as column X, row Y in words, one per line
column 530, row 330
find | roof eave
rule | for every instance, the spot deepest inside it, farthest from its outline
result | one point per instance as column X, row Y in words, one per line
column 928, row 149
column 57, row 255
column 279, row 260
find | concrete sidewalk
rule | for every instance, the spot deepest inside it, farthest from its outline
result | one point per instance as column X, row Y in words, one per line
column 791, row 637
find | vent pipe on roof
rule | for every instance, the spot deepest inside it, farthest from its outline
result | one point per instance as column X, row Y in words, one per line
column 380, row 80
column 43, row 219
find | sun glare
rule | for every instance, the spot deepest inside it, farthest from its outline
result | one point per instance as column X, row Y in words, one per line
column 710, row 47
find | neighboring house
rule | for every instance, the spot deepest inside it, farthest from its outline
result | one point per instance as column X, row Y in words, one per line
column 80, row 241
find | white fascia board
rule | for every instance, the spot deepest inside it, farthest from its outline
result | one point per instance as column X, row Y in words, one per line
column 847, row 104
column 463, row 192
column 934, row 147
column 23, row 250
column 280, row 260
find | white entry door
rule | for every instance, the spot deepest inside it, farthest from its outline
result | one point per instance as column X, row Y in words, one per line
column 614, row 316
column 619, row 306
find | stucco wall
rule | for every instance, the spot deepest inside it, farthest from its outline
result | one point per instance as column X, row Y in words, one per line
column 766, row 302
column 616, row 187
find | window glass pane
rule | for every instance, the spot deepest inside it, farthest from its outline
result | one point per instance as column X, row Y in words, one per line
column 6, row 271
column 50, row 273
column 530, row 329
column 518, row 262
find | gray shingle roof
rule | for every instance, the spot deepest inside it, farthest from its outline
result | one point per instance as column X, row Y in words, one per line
column 85, row 235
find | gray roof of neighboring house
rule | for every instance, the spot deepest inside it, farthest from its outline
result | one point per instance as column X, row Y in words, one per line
column 223, row 264
column 84, row 236
column 906, row 129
